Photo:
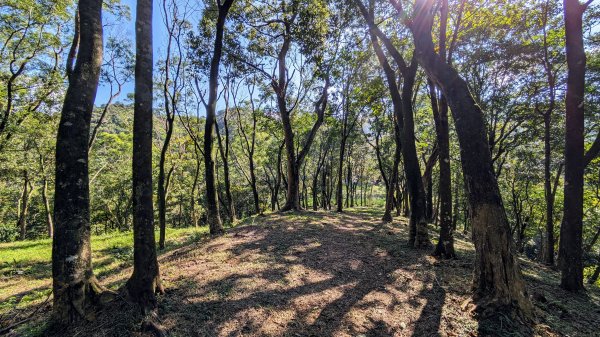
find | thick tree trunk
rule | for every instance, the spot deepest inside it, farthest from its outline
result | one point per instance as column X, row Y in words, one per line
column 145, row 279
column 570, row 246
column 498, row 282
column 73, row 283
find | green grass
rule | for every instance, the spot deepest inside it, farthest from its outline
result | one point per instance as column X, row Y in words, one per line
column 26, row 270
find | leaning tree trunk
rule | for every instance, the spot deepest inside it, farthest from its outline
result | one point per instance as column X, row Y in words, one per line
column 145, row 279
column 497, row 281
column 74, row 285
column 570, row 245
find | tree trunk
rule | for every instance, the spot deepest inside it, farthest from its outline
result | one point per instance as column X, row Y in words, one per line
column 193, row 192
column 570, row 246
column 224, row 151
column 24, row 203
column 445, row 245
column 162, row 194
column 418, row 222
column 74, row 285
column 145, row 279
column 212, row 204
column 49, row 224
column 339, row 189
column 548, row 255
column 498, row 282
column 392, row 180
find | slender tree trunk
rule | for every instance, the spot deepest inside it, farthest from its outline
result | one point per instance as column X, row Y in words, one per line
column 548, row 255
column 74, row 285
column 224, row 151
column 498, row 282
column 145, row 279
column 162, row 193
column 389, row 199
column 445, row 244
column 49, row 224
column 212, row 204
column 193, row 191
column 570, row 246
column 24, row 209
column 278, row 178
column 339, row 189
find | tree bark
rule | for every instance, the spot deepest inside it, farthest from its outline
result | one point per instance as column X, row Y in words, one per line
column 49, row 223
column 74, row 285
column 145, row 281
column 212, row 204
column 570, row 246
column 498, row 282
column 24, row 205
column 445, row 245
column 224, row 151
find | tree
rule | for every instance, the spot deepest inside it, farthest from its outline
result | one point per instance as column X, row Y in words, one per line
column 249, row 142
column 570, row 246
column 402, row 99
column 213, row 216
column 172, row 86
column 439, row 107
column 498, row 282
column 145, row 281
column 300, row 30
column 73, row 282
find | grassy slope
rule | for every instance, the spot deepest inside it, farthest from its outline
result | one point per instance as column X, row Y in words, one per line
column 309, row 273
column 25, row 268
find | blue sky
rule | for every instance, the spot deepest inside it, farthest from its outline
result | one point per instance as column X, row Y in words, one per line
column 128, row 28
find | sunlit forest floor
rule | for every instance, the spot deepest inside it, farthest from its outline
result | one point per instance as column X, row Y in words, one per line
column 299, row 274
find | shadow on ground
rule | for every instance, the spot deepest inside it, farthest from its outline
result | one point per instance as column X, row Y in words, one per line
column 317, row 274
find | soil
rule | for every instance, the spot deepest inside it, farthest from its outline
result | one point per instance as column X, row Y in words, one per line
column 330, row 274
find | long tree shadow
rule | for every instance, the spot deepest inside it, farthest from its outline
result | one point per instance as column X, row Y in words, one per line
column 303, row 275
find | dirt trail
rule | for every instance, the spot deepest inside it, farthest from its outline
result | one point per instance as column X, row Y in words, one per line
column 313, row 274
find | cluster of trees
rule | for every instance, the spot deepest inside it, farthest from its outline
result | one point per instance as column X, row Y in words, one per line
column 258, row 106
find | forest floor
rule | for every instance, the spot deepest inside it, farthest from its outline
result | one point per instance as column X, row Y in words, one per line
column 317, row 274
